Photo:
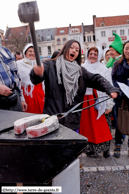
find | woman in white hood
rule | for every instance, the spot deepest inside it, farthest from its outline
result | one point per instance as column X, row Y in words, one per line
column 93, row 124
column 33, row 94
column 106, row 56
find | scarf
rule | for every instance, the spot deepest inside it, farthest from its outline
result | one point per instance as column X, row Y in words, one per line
column 111, row 61
column 98, row 68
column 70, row 72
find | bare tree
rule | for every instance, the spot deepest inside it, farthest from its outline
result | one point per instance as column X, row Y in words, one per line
column 16, row 42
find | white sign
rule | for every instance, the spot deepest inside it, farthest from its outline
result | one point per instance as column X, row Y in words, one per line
column 74, row 30
column 124, row 88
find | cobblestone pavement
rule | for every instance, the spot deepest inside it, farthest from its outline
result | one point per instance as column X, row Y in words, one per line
column 105, row 176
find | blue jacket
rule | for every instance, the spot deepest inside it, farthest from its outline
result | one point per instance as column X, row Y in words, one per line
column 9, row 74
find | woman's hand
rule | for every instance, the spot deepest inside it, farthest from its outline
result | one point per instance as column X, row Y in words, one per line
column 4, row 90
column 114, row 94
column 24, row 106
column 39, row 70
column 108, row 111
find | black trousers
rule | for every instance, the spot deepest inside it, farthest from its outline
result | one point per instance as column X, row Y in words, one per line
column 118, row 134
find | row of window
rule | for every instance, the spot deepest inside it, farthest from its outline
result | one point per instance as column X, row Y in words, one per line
column 59, row 41
column 40, row 38
column 48, row 48
column 122, row 32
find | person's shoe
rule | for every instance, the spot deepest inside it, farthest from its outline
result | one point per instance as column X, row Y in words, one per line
column 117, row 151
column 91, row 153
column 106, row 154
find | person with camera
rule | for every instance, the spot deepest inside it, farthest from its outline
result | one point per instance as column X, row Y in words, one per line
column 11, row 96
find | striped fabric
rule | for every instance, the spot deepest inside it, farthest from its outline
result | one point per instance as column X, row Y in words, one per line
column 9, row 75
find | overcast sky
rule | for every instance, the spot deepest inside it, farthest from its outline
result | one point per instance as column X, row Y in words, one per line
column 59, row 13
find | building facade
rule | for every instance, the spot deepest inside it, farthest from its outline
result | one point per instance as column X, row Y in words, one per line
column 88, row 38
column 15, row 38
column 76, row 32
column 105, row 26
column 46, row 42
column 100, row 33
column 1, row 37
column 61, row 37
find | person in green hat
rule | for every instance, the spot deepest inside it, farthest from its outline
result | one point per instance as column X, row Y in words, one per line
column 116, row 50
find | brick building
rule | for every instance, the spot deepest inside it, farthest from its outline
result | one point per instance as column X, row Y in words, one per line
column 1, row 37
column 105, row 26
column 61, row 37
column 16, row 38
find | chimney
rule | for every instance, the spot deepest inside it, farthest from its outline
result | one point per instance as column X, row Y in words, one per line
column 94, row 22
column 69, row 25
column 7, row 27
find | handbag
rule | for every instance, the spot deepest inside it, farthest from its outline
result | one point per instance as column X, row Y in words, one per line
column 123, row 118
column 8, row 101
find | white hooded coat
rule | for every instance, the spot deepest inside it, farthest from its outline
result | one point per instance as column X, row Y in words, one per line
column 99, row 68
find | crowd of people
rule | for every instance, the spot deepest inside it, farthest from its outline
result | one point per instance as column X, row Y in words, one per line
column 63, row 81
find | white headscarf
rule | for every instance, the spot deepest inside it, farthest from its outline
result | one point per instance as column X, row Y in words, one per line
column 24, row 67
column 98, row 68
column 104, row 53
column 26, row 48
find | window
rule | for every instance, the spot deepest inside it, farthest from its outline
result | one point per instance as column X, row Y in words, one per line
column 48, row 36
column 88, row 38
column 29, row 39
column 127, row 21
column 128, row 31
column 103, row 46
column 103, row 33
column 113, row 31
column 61, row 31
column 122, row 32
column 76, row 38
column 40, row 51
column 38, row 38
column 94, row 37
column 58, row 42
column 102, row 24
column 49, row 50
column 64, row 40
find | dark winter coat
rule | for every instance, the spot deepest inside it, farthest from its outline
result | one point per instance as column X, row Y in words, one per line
column 120, row 74
column 55, row 97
